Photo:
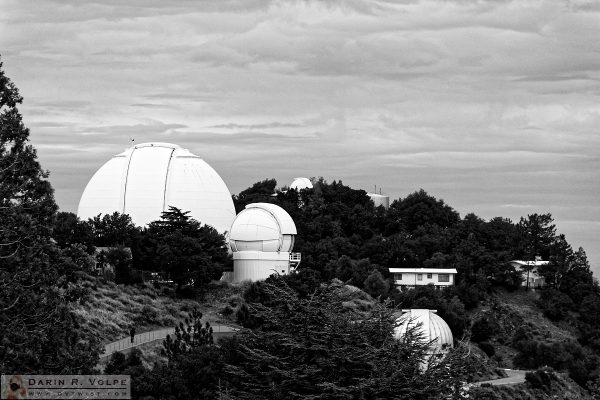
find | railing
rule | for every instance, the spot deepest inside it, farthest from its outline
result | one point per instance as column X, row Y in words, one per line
column 149, row 337
column 294, row 262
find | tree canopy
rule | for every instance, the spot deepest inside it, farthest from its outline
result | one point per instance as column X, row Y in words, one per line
column 36, row 278
column 191, row 253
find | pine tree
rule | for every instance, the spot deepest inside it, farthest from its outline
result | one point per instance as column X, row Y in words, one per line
column 39, row 332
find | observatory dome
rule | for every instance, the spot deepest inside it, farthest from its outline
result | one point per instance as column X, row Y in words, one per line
column 262, row 227
column 301, row 183
column 433, row 328
column 147, row 178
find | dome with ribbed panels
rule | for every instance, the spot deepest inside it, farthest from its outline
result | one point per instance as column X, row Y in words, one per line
column 147, row 178
column 262, row 227
column 430, row 325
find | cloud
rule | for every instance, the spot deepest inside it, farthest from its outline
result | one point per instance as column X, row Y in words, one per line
column 269, row 125
column 485, row 104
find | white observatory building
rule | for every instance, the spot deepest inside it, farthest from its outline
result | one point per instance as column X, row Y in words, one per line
column 262, row 237
column 301, row 183
column 147, row 178
column 380, row 200
column 431, row 328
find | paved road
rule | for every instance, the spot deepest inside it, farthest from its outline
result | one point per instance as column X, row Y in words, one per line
column 152, row 336
column 514, row 376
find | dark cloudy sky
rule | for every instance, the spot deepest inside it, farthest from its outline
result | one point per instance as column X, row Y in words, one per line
column 493, row 106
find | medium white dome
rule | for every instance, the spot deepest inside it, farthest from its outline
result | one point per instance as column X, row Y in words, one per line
column 301, row 183
column 147, row 178
column 262, row 227
column 432, row 328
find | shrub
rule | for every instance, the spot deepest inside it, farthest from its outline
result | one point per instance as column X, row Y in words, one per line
column 487, row 348
column 483, row 328
column 555, row 304
column 227, row 311
column 186, row 292
column 243, row 316
column 376, row 285
column 540, row 379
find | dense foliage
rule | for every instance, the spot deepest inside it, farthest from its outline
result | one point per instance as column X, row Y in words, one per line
column 38, row 279
column 342, row 235
column 191, row 253
column 303, row 348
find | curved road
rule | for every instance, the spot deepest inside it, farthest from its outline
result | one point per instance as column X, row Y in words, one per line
column 514, row 376
column 152, row 336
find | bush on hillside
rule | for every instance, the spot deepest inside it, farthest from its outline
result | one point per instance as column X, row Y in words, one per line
column 487, row 348
column 541, row 378
column 483, row 328
column 555, row 304
column 376, row 285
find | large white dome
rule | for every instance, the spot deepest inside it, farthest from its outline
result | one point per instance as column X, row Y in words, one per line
column 262, row 227
column 430, row 325
column 147, row 178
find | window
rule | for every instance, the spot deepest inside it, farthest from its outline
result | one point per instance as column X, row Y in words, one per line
column 443, row 277
column 429, row 276
column 419, row 277
column 398, row 277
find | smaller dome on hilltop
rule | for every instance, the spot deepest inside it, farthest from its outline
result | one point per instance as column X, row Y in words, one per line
column 301, row 184
column 430, row 325
column 262, row 227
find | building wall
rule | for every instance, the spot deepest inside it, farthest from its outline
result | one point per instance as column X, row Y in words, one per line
column 257, row 265
column 412, row 279
column 535, row 279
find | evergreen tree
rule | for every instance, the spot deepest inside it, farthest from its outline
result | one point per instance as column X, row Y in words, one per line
column 316, row 348
column 39, row 332
column 69, row 229
column 189, row 252
column 260, row 192
column 114, row 229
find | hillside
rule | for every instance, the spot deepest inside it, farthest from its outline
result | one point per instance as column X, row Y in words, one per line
column 556, row 386
column 110, row 310
column 507, row 312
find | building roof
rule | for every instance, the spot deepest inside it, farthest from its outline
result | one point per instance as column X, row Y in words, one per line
column 377, row 196
column 423, row 270
column 534, row 263
column 147, row 178
column 427, row 323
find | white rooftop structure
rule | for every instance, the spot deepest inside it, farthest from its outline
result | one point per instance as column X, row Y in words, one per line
column 429, row 325
column 262, row 237
column 380, row 200
column 301, row 184
column 147, row 178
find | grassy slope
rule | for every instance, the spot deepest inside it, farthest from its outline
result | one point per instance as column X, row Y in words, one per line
column 110, row 310
column 512, row 310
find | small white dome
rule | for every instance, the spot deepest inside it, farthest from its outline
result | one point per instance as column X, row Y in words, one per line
column 147, row 178
column 301, row 183
column 262, row 227
column 432, row 328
